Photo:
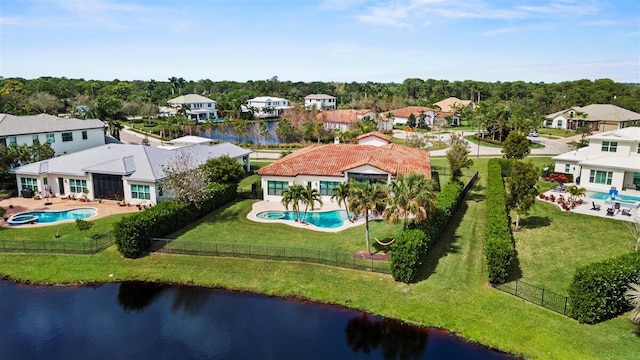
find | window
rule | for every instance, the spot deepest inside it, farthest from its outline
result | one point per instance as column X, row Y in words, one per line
column 140, row 192
column 29, row 184
column 559, row 122
column 326, row 186
column 600, row 177
column 84, row 135
column 567, row 168
column 77, row 186
column 609, row 146
column 35, row 138
column 67, row 136
column 276, row 187
column 13, row 140
column 636, row 178
column 50, row 138
column 209, row 105
column 549, row 123
column 638, row 150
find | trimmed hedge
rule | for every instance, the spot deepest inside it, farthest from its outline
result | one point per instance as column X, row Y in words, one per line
column 499, row 247
column 132, row 233
column 408, row 253
column 597, row 290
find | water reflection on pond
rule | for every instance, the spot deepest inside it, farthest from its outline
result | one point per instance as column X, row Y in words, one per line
column 150, row 321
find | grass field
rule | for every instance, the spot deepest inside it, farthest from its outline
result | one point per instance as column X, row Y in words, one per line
column 556, row 132
column 452, row 291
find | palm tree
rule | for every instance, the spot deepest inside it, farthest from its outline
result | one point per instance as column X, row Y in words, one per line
column 575, row 192
column 310, row 197
column 341, row 194
column 293, row 195
column 174, row 84
column 411, row 196
column 633, row 296
column 365, row 198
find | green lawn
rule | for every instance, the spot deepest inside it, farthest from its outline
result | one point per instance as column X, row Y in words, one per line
column 68, row 231
column 472, row 139
column 556, row 132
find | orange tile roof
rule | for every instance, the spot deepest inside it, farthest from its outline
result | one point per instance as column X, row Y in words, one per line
column 406, row 111
column 377, row 134
column 344, row 116
column 336, row 159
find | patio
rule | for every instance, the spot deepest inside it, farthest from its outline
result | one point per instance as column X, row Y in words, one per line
column 21, row 204
column 587, row 205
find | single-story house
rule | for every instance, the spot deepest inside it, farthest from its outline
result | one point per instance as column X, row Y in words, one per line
column 131, row 172
column 323, row 167
column 449, row 106
column 612, row 159
column 401, row 116
column 65, row 135
column 187, row 140
column 599, row 117
column 343, row 119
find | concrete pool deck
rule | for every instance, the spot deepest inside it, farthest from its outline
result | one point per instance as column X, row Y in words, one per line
column 20, row 204
column 586, row 207
column 262, row 206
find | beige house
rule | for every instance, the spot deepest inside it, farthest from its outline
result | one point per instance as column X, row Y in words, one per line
column 599, row 117
column 450, row 104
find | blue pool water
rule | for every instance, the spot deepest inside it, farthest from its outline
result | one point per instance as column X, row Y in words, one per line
column 45, row 216
column 324, row 219
column 605, row 196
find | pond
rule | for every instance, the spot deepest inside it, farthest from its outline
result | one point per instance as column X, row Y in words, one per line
column 224, row 132
column 134, row 320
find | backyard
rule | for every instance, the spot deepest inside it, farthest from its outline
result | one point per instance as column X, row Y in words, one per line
column 452, row 291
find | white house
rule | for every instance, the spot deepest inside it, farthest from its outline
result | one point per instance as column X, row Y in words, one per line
column 200, row 108
column 320, row 102
column 599, row 117
column 401, row 116
column 325, row 166
column 612, row 159
column 267, row 106
column 64, row 135
column 128, row 171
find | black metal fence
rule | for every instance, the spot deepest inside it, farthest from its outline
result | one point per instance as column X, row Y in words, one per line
column 537, row 295
column 89, row 247
column 268, row 252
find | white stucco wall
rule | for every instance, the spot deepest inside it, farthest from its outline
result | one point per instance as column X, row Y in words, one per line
column 617, row 180
column 95, row 137
column 372, row 140
column 152, row 192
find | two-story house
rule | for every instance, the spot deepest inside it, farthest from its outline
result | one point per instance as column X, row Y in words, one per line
column 320, row 102
column 267, row 106
column 65, row 135
column 199, row 108
column 612, row 159
column 599, row 117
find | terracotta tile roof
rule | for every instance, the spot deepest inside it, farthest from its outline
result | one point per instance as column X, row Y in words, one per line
column 377, row 134
column 406, row 111
column 343, row 116
column 335, row 159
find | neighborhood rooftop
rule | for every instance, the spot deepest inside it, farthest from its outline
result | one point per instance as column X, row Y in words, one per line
column 335, row 159
column 191, row 99
column 33, row 124
column 595, row 112
column 318, row 97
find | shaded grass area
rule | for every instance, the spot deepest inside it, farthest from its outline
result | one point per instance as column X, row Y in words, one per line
column 453, row 293
column 230, row 225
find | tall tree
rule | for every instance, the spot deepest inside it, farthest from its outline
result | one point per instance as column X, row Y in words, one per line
column 310, row 197
column 224, row 170
column 293, row 195
column 410, row 196
column 368, row 198
column 341, row 193
column 521, row 188
column 109, row 109
column 516, row 146
column 185, row 180
column 44, row 102
column 458, row 156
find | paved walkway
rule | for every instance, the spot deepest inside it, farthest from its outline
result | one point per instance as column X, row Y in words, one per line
column 128, row 136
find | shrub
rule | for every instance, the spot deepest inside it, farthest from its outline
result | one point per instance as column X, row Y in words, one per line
column 407, row 254
column 597, row 290
column 133, row 233
column 499, row 247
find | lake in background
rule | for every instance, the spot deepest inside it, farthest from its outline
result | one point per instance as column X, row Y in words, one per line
column 134, row 320
column 253, row 134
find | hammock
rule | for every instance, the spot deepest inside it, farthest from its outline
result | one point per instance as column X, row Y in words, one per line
column 380, row 242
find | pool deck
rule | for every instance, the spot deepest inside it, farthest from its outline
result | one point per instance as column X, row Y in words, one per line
column 586, row 207
column 276, row 206
column 20, row 204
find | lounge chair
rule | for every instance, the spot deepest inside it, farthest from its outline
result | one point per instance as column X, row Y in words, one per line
column 611, row 211
column 595, row 207
column 616, row 207
column 626, row 212
column 637, row 187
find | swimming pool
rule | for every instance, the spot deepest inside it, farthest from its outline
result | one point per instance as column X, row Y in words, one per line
column 605, row 196
column 49, row 216
column 323, row 219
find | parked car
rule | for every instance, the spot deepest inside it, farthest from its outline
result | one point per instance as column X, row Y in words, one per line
column 533, row 133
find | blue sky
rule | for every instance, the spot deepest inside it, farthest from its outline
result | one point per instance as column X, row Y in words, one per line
column 330, row 40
